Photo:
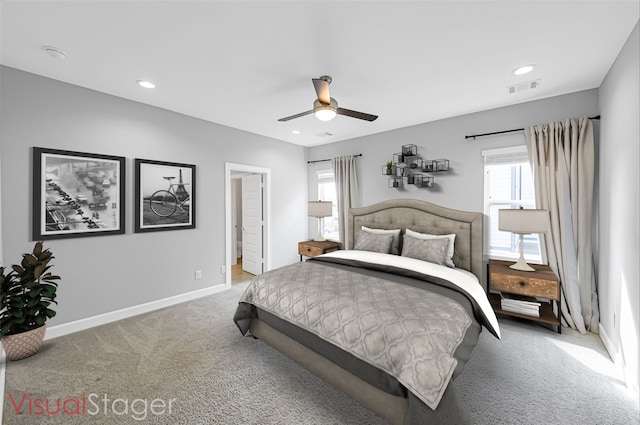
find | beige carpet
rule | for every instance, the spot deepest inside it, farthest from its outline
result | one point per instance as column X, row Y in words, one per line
column 191, row 358
column 191, row 353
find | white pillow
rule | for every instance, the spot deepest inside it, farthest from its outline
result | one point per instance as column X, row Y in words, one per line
column 450, row 248
column 395, row 243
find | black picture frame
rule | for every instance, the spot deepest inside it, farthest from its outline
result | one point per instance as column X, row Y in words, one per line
column 165, row 196
column 77, row 194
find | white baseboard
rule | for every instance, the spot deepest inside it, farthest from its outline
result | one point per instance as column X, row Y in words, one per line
column 618, row 360
column 610, row 346
column 101, row 319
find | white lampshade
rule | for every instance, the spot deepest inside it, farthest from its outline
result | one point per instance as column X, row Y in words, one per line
column 320, row 209
column 523, row 221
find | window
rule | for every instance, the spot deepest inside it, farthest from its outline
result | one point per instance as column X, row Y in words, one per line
column 327, row 192
column 508, row 184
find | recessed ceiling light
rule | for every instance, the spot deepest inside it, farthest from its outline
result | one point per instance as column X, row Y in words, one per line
column 296, row 131
column 146, row 84
column 523, row 69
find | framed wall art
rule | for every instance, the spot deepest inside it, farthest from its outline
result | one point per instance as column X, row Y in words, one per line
column 165, row 196
column 77, row 194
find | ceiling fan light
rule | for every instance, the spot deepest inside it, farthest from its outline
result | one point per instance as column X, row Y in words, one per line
column 325, row 113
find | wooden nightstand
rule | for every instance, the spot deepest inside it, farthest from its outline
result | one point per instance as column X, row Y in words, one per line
column 313, row 248
column 541, row 283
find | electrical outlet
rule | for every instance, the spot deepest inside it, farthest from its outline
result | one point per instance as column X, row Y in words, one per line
column 197, row 275
column 223, row 269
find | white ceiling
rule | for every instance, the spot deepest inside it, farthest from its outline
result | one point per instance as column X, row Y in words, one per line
column 244, row 64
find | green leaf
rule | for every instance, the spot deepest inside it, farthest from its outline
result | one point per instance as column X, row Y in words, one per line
column 16, row 303
column 48, row 291
column 40, row 320
column 35, row 292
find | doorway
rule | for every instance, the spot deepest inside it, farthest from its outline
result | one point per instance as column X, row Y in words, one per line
column 247, row 221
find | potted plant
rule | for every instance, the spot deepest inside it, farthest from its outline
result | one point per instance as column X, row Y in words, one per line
column 26, row 294
column 389, row 167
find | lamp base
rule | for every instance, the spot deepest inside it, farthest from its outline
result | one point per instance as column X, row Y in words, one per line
column 319, row 238
column 522, row 265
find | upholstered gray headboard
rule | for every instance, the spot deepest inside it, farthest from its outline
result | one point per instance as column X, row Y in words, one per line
column 425, row 217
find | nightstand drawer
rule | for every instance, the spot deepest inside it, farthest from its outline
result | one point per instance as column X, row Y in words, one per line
column 309, row 250
column 314, row 248
column 525, row 286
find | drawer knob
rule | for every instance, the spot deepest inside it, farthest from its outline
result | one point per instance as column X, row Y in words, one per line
column 522, row 283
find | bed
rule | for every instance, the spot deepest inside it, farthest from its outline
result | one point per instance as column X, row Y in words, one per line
column 391, row 320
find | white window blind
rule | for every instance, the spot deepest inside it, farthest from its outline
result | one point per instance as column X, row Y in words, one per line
column 327, row 192
column 511, row 155
column 508, row 184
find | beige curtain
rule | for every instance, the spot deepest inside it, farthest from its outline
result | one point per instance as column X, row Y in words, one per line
column 562, row 160
column 344, row 172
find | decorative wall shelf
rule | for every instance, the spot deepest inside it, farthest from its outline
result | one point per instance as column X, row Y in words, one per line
column 408, row 165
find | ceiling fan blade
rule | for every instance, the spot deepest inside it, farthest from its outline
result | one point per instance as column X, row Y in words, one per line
column 301, row 114
column 322, row 90
column 356, row 114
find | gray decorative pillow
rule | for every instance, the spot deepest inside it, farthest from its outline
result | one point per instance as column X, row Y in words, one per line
column 450, row 237
column 395, row 243
column 374, row 242
column 431, row 250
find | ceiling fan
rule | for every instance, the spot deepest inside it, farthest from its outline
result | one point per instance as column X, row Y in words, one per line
column 325, row 107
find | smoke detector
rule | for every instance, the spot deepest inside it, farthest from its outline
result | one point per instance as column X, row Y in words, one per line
column 54, row 52
column 528, row 85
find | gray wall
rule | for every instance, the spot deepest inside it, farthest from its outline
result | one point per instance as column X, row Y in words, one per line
column 619, row 225
column 107, row 273
column 463, row 186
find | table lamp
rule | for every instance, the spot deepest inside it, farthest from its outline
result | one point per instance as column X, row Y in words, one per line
column 523, row 222
column 320, row 209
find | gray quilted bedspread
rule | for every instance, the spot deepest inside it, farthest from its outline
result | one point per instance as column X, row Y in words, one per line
column 408, row 332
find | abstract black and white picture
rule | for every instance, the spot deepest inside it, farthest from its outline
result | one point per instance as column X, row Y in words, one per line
column 164, row 196
column 77, row 194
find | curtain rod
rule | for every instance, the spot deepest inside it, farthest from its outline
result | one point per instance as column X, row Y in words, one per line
column 325, row 160
column 597, row 117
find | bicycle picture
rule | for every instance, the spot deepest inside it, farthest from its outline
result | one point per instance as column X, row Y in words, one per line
column 164, row 195
column 165, row 203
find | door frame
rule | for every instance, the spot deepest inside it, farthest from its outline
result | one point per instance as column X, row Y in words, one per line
column 229, row 168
